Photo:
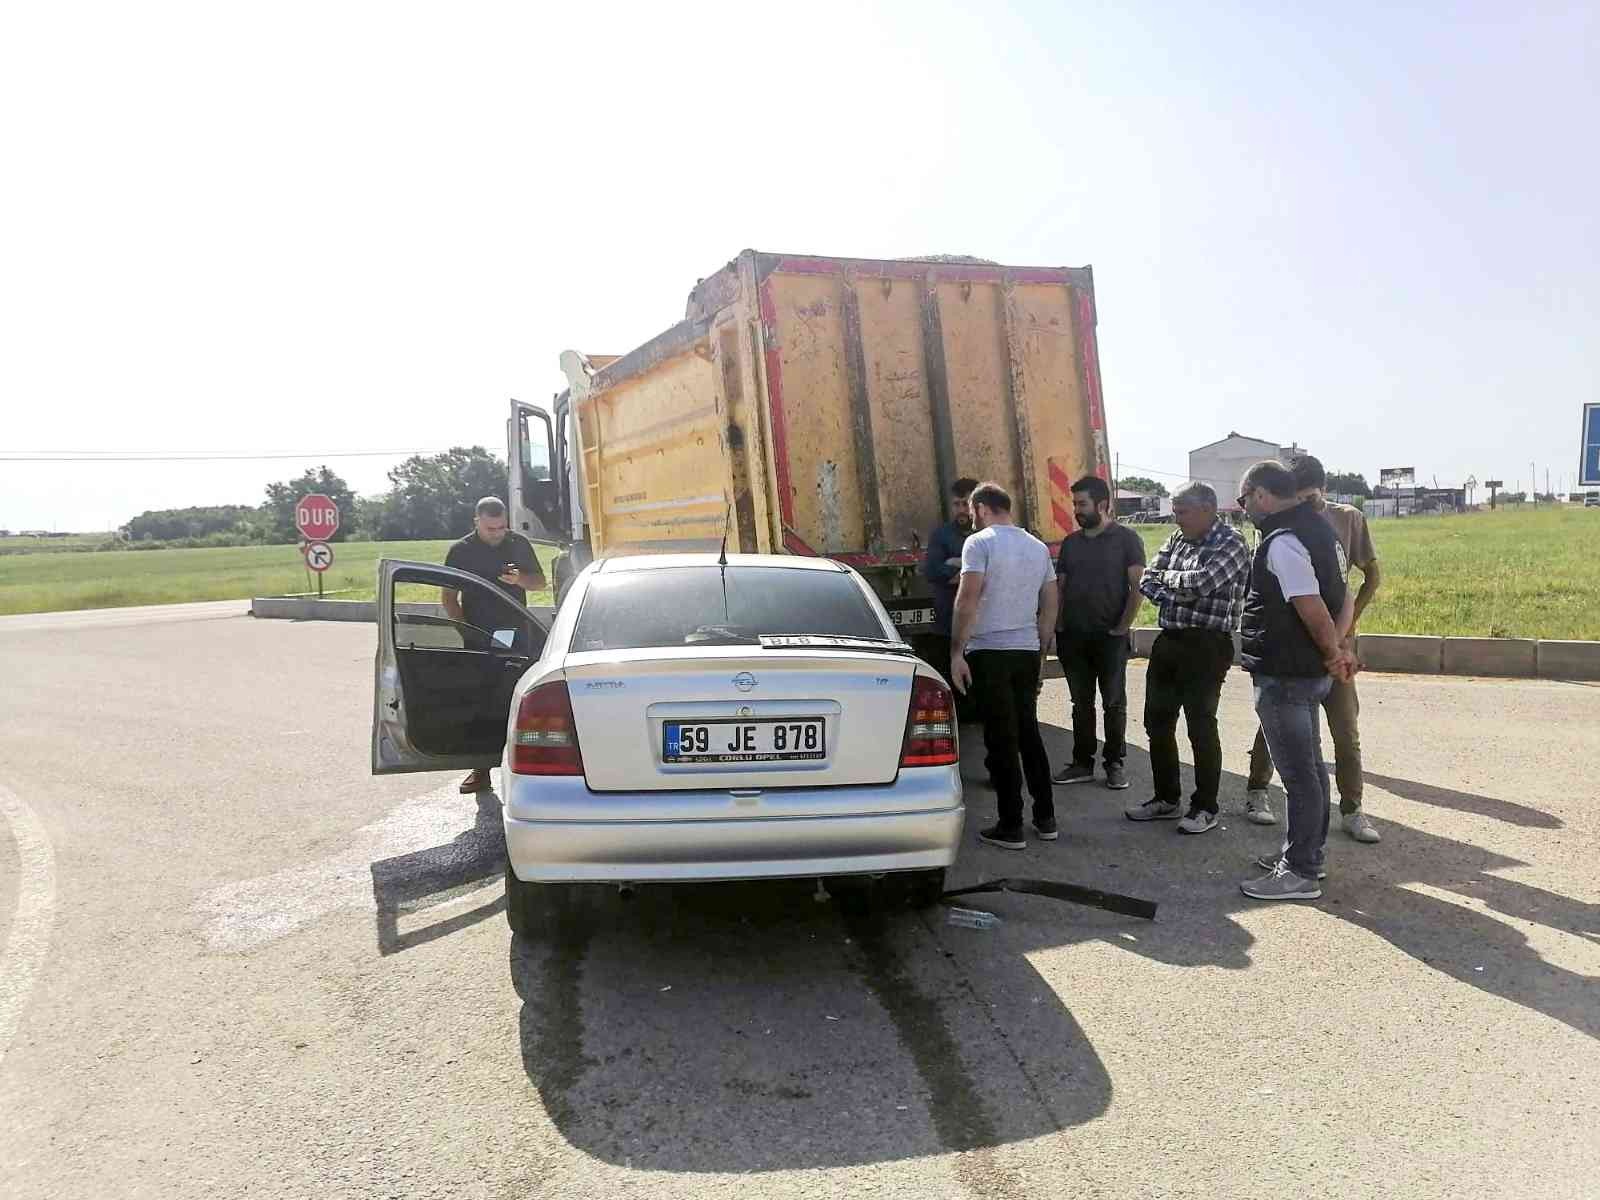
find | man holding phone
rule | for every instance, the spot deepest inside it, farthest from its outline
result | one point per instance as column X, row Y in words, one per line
column 491, row 551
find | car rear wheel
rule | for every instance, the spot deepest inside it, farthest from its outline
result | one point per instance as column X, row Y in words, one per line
column 529, row 907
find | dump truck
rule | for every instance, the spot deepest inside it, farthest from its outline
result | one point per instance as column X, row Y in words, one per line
column 822, row 406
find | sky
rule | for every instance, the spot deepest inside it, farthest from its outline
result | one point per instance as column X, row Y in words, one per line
column 336, row 228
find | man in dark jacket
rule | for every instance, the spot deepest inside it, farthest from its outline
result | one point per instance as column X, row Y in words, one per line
column 942, row 569
column 1296, row 614
column 492, row 551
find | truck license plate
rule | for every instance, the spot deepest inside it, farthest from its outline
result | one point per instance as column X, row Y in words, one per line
column 744, row 741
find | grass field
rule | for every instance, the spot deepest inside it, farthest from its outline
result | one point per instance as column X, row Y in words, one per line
column 54, row 545
column 48, row 582
column 1533, row 573
column 1530, row 573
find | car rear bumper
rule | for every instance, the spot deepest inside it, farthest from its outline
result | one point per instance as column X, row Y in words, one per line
column 913, row 825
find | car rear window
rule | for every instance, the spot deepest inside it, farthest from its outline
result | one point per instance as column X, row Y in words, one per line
column 687, row 606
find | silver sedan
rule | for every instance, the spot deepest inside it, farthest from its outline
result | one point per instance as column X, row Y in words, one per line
column 681, row 720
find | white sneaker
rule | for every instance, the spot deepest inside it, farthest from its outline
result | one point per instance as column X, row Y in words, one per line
column 1199, row 820
column 1361, row 829
column 1258, row 808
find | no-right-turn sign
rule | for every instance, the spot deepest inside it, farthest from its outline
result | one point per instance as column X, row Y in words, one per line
column 319, row 556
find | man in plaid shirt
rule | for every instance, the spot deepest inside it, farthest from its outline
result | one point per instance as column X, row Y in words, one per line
column 1198, row 580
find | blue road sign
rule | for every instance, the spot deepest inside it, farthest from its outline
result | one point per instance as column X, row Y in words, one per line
column 1589, row 469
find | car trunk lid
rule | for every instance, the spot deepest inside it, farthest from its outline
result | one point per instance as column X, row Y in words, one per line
column 628, row 707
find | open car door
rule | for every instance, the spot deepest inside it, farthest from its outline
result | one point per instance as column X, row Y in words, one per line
column 442, row 688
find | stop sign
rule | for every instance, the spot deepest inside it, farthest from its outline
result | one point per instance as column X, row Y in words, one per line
column 316, row 517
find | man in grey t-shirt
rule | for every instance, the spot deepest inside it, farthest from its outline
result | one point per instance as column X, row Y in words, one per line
column 1005, row 622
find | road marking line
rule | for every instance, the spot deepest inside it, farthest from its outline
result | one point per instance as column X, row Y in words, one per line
column 251, row 913
column 29, row 940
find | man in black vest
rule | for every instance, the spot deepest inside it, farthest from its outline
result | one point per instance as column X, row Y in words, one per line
column 1296, row 615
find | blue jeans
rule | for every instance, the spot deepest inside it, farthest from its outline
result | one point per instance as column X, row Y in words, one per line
column 1290, row 708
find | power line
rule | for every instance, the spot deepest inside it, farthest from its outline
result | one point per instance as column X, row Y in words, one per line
column 116, row 456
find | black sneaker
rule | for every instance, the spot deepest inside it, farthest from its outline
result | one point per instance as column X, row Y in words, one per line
column 1073, row 773
column 1116, row 777
column 1046, row 829
column 1006, row 839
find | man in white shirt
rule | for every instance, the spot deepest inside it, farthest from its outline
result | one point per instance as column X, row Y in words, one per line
column 1005, row 621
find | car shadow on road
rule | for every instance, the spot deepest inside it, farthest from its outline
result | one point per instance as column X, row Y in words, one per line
column 746, row 1027
column 426, row 879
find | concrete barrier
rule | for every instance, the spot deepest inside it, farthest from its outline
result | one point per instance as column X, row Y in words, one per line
column 296, row 608
column 1401, row 652
column 1569, row 660
column 1491, row 656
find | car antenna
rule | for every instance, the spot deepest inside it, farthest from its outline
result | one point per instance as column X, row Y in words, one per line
column 722, row 562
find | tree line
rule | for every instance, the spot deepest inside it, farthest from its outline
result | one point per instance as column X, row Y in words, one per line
column 430, row 496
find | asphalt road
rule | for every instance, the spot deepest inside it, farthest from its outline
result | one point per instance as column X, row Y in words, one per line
column 236, row 964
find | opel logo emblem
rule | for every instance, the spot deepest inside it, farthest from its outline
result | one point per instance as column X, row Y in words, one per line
column 744, row 681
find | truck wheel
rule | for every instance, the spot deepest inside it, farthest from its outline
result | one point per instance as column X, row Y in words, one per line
column 561, row 576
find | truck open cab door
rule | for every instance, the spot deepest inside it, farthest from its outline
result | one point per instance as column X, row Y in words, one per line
column 442, row 687
column 535, row 460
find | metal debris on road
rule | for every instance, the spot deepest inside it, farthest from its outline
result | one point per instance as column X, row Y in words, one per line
column 972, row 918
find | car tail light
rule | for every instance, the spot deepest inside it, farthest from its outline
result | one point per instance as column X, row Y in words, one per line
column 545, row 740
column 931, row 726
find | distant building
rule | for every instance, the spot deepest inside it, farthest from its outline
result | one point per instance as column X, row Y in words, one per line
column 1223, row 464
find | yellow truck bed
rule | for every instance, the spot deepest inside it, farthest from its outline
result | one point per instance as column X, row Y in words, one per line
column 824, row 406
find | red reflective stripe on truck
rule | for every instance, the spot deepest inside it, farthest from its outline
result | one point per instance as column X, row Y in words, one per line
column 780, row 428
column 1060, row 496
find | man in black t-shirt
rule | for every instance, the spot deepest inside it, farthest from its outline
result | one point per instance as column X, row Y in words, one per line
column 490, row 551
column 1098, row 569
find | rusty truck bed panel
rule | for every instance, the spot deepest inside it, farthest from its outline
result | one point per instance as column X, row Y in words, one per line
column 824, row 405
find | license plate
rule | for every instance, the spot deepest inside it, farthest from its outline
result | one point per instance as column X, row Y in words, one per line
column 744, row 741
column 918, row 619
